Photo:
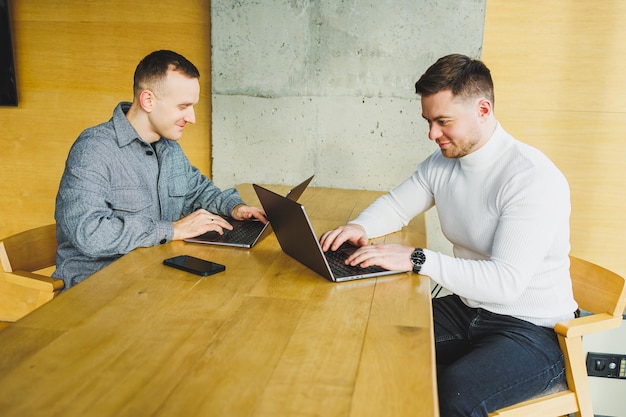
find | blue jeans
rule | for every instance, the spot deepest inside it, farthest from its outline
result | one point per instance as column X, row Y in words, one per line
column 486, row 361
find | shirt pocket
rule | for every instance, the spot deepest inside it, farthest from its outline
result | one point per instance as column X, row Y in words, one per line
column 129, row 200
column 177, row 186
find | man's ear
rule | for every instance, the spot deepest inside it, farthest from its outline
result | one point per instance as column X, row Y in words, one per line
column 485, row 109
column 146, row 100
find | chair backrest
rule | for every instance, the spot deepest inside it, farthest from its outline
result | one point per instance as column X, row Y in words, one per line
column 596, row 289
column 29, row 251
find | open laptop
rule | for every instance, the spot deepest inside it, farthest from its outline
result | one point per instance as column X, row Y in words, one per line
column 297, row 238
column 245, row 234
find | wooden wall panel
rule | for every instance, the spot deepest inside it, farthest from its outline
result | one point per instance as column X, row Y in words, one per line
column 559, row 67
column 74, row 62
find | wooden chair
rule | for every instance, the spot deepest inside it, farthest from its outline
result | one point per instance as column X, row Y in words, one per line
column 603, row 294
column 22, row 288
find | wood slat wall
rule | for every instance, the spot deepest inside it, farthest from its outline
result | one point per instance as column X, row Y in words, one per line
column 559, row 72
column 74, row 62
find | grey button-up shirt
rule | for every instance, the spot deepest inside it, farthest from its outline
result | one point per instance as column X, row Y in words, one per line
column 118, row 193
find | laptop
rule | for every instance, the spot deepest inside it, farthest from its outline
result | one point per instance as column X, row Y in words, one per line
column 297, row 239
column 245, row 234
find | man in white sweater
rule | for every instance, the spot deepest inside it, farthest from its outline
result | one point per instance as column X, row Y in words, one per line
column 505, row 207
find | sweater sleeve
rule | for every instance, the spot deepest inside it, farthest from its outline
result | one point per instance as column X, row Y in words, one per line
column 392, row 211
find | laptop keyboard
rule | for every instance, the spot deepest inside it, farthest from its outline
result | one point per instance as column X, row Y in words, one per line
column 340, row 269
column 245, row 232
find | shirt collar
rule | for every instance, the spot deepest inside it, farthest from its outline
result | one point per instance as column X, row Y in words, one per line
column 124, row 131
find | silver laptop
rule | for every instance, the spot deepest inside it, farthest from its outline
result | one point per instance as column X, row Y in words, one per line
column 245, row 234
column 298, row 240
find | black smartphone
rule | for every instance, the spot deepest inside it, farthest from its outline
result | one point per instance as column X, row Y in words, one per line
column 194, row 265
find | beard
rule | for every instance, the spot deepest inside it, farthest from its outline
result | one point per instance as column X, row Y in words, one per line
column 455, row 151
column 464, row 146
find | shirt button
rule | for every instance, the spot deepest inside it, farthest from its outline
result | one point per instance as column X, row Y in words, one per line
column 149, row 153
column 163, row 241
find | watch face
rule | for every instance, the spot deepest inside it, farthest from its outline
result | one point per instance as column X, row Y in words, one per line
column 418, row 257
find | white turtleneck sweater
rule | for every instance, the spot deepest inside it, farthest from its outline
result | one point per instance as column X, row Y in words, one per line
column 505, row 208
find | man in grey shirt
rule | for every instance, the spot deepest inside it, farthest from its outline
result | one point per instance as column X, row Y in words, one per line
column 127, row 182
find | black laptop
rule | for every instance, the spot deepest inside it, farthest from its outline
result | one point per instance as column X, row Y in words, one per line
column 245, row 234
column 298, row 240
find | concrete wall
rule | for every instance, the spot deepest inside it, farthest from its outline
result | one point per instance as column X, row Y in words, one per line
column 327, row 87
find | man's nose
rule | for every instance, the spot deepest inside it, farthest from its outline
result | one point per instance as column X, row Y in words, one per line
column 190, row 117
column 434, row 132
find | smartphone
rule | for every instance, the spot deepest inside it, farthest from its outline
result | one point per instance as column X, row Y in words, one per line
column 194, row 265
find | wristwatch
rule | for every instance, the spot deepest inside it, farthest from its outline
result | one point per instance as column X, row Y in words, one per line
column 417, row 259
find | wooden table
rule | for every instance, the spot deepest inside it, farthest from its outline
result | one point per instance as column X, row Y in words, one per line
column 267, row 337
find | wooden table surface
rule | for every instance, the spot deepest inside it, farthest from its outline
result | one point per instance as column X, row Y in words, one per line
column 267, row 337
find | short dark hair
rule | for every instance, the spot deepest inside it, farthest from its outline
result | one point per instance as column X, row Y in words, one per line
column 152, row 69
column 463, row 76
